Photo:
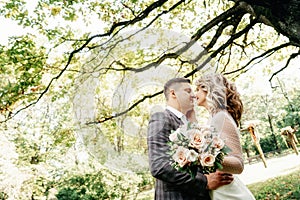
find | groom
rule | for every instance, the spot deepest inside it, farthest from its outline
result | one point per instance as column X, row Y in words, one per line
column 170, row 183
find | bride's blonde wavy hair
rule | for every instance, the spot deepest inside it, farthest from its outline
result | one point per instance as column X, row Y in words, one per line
column 221, row 95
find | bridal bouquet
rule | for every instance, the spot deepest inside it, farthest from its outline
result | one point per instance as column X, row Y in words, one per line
column 194, row 147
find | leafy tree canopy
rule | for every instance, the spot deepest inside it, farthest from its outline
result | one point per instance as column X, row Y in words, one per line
column 235, row 34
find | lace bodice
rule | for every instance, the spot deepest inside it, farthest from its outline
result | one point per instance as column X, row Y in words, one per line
column 229, row 132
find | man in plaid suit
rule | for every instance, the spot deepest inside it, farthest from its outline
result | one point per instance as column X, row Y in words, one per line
column 170, row 183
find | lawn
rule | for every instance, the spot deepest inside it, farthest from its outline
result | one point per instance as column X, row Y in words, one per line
column 285, row 187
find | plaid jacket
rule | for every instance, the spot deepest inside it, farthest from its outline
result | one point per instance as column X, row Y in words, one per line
column 170, row 183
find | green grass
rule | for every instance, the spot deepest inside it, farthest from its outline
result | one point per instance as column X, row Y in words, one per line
column 285, row 187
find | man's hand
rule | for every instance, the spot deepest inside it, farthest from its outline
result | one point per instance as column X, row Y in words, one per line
column 217, row 179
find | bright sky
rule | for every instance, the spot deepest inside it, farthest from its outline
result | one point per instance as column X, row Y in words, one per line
column 8, row 28
column 11, row 28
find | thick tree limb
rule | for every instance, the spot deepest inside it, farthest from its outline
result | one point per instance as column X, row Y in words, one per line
column 283, row 16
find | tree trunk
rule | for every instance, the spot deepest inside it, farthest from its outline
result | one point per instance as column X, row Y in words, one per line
column 273, row 134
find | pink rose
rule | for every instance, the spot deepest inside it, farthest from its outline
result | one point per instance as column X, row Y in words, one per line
column 207, row 160
column 197, row 139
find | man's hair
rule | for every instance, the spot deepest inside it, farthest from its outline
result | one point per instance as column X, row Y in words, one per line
column 172, row 83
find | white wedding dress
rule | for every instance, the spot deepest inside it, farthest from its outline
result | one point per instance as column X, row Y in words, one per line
column 233, row 163
column 236, row 190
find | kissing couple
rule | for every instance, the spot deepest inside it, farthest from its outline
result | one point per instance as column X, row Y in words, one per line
column 220, row 98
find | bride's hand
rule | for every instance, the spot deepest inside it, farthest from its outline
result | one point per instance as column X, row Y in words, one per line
column 191, row 115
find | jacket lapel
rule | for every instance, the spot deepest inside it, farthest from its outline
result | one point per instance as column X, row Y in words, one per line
column 176, row 121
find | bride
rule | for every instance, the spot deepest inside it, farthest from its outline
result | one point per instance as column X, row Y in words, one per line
column 221, row 99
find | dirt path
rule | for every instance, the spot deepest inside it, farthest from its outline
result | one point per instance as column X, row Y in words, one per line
column 275, row 167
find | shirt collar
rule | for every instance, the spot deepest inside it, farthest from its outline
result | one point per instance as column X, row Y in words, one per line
column 175, row 111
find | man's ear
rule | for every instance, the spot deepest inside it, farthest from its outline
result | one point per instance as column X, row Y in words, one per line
column 172, row 93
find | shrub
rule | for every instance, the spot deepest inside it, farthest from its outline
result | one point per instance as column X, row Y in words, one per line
column 104, row 184
column 3, row 196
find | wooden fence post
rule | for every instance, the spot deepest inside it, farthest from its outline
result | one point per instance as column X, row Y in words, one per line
column 290, row 138
column 255, row 140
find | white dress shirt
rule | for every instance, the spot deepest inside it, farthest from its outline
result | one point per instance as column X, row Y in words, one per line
column 179, row 114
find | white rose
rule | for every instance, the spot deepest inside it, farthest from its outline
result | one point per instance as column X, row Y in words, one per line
column 192, row 156
column 173, row 136
column 218, row 142
column 180, row 156
column 207, row 133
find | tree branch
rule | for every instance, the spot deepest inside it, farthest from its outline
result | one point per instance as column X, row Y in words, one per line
column 292, row 56
column 263, row 56
column 222, row 17
column 222, row 47
column 126, row 110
